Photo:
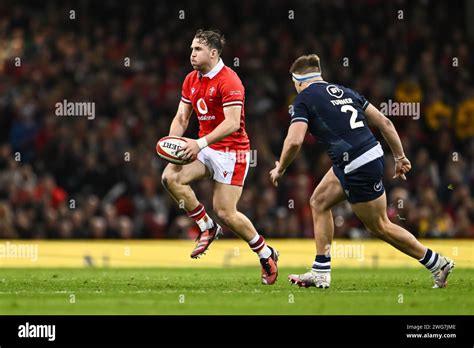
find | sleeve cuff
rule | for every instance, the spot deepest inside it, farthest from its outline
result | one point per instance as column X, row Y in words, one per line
column 299, row 119
column 233, row 103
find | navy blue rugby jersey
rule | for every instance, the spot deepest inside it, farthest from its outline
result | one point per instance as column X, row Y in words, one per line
column 335, row 115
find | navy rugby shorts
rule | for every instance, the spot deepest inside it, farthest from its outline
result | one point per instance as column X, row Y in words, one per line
column 363, row 184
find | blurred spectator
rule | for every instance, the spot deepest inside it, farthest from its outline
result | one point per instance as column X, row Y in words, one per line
column 151, row 211
column 73, row 177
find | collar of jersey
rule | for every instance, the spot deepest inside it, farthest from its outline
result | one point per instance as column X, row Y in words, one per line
column 319, row 81
column 215, row 70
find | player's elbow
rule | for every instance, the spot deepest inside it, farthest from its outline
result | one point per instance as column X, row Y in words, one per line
column 294, row 142
column 386, row 125
column 183, row 121
column 234, row 126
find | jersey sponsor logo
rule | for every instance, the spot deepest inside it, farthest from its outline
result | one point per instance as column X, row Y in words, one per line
column 235, row 93
column 206, row 118
column 225, row 172
column 335, row 91
column 378, row 186
column 202, row 106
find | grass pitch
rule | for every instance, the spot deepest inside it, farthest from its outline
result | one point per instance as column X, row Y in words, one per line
column 226, row 291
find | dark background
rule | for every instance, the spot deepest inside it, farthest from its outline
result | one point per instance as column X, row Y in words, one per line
column 424, row 57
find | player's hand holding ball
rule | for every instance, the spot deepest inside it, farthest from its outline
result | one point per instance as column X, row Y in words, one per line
column 190, row 150
column 402, row 166
column 171, row 149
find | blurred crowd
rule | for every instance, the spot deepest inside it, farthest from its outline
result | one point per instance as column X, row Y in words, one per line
column 74, row 177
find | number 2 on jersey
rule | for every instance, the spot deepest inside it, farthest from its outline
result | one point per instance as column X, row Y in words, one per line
column 354, row 124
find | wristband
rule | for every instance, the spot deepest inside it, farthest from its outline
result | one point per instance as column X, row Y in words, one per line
column 202, row 143
column 400, row 158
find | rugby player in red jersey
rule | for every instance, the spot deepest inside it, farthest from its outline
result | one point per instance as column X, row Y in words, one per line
column 216, row 94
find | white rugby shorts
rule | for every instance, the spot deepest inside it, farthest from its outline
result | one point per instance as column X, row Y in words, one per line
column 227, row 167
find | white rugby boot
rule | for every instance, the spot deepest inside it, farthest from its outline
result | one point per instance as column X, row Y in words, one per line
column 440, row 275
column 312, row 278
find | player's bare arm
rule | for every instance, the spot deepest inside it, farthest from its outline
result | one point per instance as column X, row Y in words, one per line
column 230, row 125
column 377, row 119
column 181, row 119
column 291, row 147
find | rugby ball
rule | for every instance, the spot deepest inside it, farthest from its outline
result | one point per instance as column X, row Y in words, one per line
column 169, row 148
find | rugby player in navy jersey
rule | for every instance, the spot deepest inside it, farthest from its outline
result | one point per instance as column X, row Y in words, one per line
column 340, row 117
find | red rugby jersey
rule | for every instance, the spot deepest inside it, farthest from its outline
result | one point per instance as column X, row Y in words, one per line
column 209, row 94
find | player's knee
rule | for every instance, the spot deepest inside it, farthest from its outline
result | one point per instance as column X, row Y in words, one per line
column 169, row 178
column 317, row 203
column 379, row 226
column 164, row 179
column 225, row 215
